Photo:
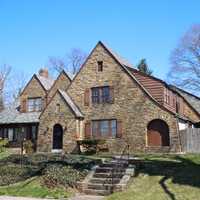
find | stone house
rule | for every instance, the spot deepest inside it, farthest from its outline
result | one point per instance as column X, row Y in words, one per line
column 107, row 99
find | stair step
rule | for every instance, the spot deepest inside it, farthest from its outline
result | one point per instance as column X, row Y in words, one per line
column 113, row 164
column 108, row 170
column 100, row 186
column 97, row 192
column 107, row 175
column 105, row 180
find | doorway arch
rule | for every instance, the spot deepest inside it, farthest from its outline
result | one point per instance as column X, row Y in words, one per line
column 158, row 133
column 57, row 137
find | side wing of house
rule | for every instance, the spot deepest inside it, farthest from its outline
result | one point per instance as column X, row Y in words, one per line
column 33, row 97
column 166, row 96
column 62, row 83
column 117, row 108
column 59, row 124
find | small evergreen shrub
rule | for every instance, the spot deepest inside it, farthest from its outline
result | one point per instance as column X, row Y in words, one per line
column 28, row 147
column 3, row 144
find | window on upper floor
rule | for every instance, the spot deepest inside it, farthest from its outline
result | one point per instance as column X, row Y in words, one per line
column 101, row 95
column 34, row 104
column 100, row 66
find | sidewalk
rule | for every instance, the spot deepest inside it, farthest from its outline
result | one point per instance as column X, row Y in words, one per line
column 76, row 197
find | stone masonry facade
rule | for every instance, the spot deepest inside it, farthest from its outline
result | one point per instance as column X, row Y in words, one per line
column 131, row 106
column 33, row 90
column 52, row 116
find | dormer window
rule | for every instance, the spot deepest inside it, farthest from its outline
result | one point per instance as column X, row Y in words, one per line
column 34, row 104
column 100, row 66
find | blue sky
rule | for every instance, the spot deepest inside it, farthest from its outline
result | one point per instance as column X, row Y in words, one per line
column 33, row 30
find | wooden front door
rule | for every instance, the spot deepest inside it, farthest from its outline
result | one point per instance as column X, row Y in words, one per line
column 158, row 133
column 57, row 137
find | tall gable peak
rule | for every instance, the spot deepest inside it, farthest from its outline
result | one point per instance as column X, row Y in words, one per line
column 119, row 58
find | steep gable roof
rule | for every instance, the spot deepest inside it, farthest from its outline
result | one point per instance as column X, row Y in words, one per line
column 69, row 77
column 125, row 66
column 71, row 104
column 68, row 101
column 46, row 82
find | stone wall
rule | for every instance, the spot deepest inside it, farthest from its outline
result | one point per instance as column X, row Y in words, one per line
column 53, row 115
column 131, row 105
column 62, row 82
column 32, row 90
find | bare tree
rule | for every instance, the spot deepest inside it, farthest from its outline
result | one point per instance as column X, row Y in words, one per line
column 4, row 73
column 71, row 62
column 13, row 89
column 185, row 60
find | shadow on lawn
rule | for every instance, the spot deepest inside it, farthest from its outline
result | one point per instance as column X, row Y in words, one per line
column 180, row 170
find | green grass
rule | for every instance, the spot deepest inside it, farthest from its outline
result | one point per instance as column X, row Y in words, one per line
column 33, row 188
column 164, row 177
column 4, row 154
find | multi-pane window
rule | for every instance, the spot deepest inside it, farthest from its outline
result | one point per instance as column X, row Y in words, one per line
column 104, row 128
column 113, row 127
column 34, row 104
column 95, row 128
column 105, row 94
column 96, row 95
column 101, row 94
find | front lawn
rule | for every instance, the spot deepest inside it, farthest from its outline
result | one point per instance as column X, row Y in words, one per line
column 32, row 187
column 42, row 175
column 164, row 177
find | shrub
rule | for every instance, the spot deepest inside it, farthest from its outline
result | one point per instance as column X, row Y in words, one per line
column 28, row 146
column 58, row 174
column 90, row 145
column 3, row 144
column 10, row 174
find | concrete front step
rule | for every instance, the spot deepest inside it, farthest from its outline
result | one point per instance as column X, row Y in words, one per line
column 96, row 186
column 97, row 192
column 113, row 164
column 108, row 170
column 107, row 175
column 105, row 180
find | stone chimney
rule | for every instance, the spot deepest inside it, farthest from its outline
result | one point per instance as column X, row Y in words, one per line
column 44, row 72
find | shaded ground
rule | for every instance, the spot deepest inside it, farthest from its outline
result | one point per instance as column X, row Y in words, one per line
column 164, row 177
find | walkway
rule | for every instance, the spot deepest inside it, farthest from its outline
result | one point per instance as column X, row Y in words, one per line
column 76, row 197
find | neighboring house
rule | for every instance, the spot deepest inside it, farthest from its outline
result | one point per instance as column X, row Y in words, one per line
column 21, row 119
column 107, row 99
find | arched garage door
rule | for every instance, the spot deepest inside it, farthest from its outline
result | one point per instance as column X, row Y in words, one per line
column 158, row 133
